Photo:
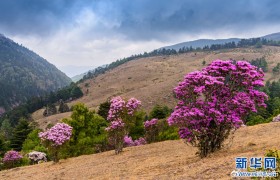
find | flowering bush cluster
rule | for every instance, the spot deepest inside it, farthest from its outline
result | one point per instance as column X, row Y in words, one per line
column 57, row 135
column 129, row 142
column 151, row 123
column 55, row 138
column 132, row 104
column 215, row 100
column 151, row 129
column 120, row 116
column 11, row 158
column 119, row 107
column 115, row 125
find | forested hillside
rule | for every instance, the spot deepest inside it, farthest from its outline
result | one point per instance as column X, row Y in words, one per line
column 25, row 74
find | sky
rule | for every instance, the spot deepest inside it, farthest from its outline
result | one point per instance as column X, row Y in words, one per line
column 90, row 33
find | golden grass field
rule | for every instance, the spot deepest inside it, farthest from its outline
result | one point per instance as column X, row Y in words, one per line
column 152, row 79
column 163, row 160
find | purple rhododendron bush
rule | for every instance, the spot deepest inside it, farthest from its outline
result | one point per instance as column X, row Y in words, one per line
column 128, row 141
column 11, row 158
column 55, row 138
column 121, row 116
column 214, row 101
column 151, row 130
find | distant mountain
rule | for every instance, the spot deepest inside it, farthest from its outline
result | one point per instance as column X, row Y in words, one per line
column 78, row 77
column 201, row 43
column 72, row 71
column 208, row 42
column 274, row 36
column 25, row 74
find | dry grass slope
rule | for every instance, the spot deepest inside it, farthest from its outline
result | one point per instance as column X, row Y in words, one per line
column 163, row 160
column 152, row 79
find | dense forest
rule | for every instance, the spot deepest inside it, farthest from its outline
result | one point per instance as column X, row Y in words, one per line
column 33, row 104
column 25, row 74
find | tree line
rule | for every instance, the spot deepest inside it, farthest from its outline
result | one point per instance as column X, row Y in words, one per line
column 257, row 42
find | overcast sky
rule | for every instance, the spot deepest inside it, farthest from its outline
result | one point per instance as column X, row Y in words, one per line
column 97, row 32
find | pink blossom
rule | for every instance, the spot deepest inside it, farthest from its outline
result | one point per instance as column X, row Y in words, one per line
column 11, row 156
column 57, row 135
column 152, row 122
column 222, row 93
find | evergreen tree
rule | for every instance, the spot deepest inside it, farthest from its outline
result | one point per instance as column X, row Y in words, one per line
column 203, row 62
column 159, row 112
column 50, row 110
column 76, row 92
column 276, row 69
column 4, row 145
column 63, row 107
column 104, row 109
column 6, row 129
column 33, row 142
column 20, row 134
column 88, row 135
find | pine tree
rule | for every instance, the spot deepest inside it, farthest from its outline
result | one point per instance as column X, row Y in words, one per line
column 20, row 134
column 104, row 109
column 6, row 129
column 88, row 133
column 63, row 107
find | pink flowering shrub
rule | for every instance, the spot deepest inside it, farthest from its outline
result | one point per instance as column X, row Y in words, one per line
column 121, row 115
column 214, row 101
column 116, row 132
column 151, row 130
column 120, row 107
column 138, row 142
column 11, row 158
column 55, row 138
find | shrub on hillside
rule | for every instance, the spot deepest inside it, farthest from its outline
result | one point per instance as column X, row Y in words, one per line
column 128, row 141
column 167, row 132
column 11, row 159
column 160, row 112
column 88, row 134
column 33, row 142
column 122, row 117
column 104, row 109
column 55, row 138
column 151, row 130
column 214, row 101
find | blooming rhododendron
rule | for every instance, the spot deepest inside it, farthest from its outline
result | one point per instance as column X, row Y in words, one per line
column 138, row 142
column 215, row 100
column 11, row 156
column 151, row 129
column 150, row 123
column 120, row 115
column 116, row 107
column 132, row 104
column 55, row 137
column 58, row 134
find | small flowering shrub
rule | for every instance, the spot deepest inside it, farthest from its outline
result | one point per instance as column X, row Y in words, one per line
column 138, row 142
column 214, row 101
column 121, row 116
column 151, row 130
column 55, row 138
column 11, row 159
column 116, row 132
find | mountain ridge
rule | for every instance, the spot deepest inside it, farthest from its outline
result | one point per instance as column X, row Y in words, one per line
column 200, row 43
column 25, row 74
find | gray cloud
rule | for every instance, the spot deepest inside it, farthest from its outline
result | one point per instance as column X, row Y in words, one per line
column 96, row 32
column 138, row 19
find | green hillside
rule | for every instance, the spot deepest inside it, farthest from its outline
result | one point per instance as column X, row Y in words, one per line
column 25, row 74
